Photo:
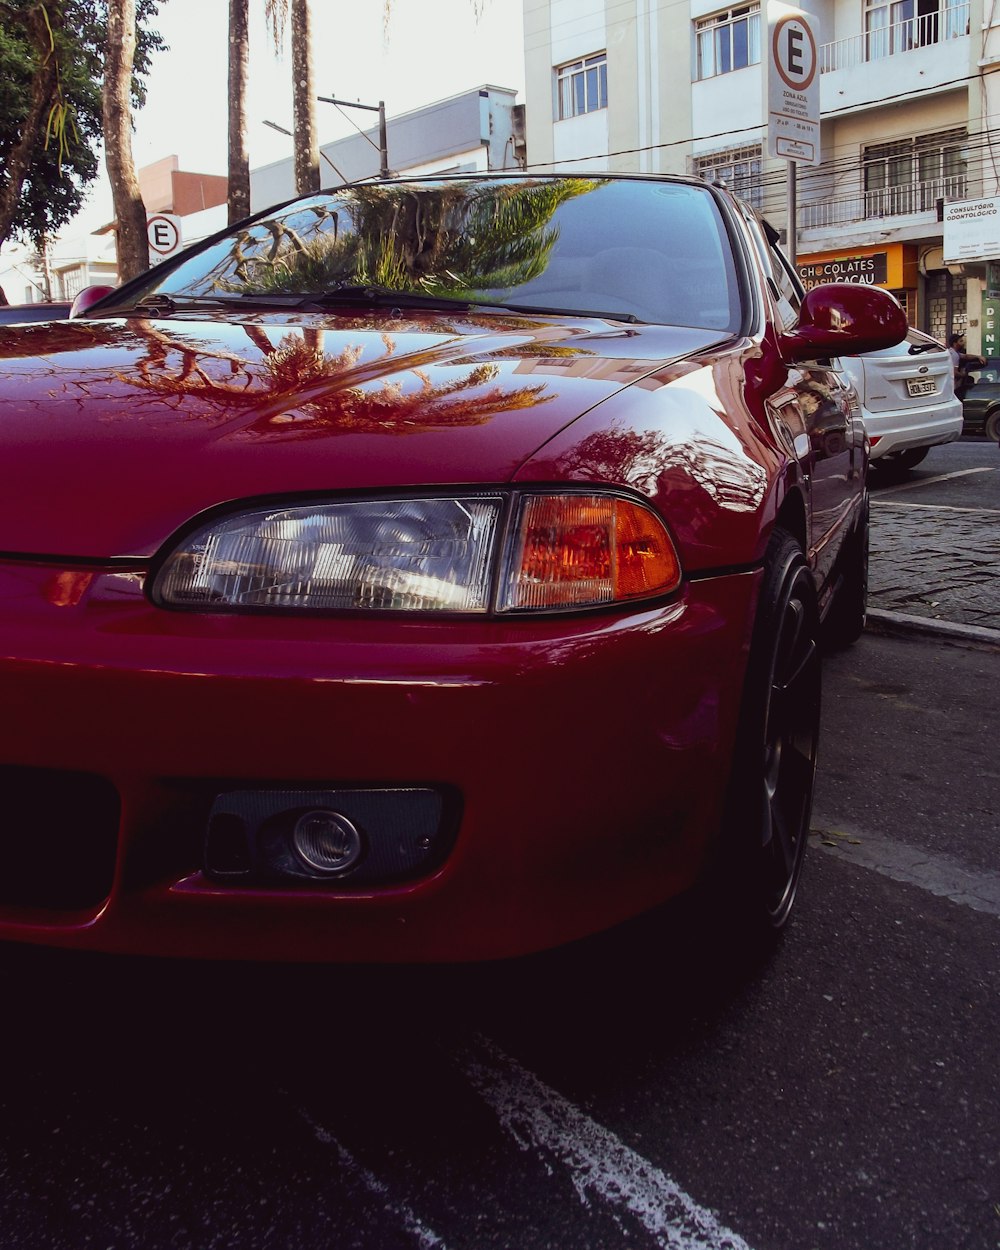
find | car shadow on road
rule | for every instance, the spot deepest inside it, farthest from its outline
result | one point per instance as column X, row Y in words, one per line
column 665, row 979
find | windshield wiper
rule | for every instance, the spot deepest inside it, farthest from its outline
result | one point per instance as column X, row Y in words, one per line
column 381, row 297
column 549, row 311
column 159, row 304
column 152, row 306
column 384, row 297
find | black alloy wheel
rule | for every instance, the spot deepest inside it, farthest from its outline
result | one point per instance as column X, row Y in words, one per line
column 770, row 800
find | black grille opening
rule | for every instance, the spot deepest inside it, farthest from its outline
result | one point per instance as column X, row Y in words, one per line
column 58, row 838
column 227, row 847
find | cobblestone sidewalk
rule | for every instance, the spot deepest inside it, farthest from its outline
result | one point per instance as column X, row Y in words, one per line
column 936, row 562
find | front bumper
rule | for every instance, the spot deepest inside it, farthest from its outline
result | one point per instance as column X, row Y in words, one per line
column 584, row 760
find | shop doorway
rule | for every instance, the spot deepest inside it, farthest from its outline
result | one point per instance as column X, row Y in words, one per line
column 945, row 307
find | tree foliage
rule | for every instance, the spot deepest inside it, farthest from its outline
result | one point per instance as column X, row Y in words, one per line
column 52, row 68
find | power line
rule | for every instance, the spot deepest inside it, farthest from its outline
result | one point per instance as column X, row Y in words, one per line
column 756, row 130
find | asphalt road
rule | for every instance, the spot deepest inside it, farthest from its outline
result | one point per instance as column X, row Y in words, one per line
column 657, row 1087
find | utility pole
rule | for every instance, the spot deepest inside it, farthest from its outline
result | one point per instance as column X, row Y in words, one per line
column 383, row 138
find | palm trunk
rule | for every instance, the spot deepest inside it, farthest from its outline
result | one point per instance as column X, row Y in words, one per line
column 239, row 159
column 304, row 102
column 133, row 246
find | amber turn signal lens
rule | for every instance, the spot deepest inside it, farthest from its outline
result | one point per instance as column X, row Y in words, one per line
column 586, row 550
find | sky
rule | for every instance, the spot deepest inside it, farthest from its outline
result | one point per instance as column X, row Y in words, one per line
column 429, row 50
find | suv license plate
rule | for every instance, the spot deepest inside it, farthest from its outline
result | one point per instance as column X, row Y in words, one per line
column 921, row 386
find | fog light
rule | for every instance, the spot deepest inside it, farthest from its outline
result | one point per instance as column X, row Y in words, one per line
column 326, row 842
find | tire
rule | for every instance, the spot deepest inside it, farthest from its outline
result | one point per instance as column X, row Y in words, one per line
column 991, row 427
column 899, row 463
column 845, row 621
column 769, row 803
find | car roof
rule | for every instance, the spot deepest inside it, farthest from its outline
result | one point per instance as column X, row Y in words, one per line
column 43, row 310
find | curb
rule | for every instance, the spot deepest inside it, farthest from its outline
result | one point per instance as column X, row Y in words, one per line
column 881, row 621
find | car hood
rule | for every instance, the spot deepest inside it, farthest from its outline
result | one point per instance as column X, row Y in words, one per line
column 117, row 432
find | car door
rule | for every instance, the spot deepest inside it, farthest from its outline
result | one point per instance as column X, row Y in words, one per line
column 821, row 409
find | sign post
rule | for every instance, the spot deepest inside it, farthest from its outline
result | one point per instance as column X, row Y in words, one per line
column 792, row 97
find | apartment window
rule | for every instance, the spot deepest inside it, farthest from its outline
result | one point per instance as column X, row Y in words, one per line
column 582, row 86
column 911, row 175
column 900, row 25
column 739, row 168
column 728, row 40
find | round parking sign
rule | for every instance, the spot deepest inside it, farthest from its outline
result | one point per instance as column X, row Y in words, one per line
column 794, row 50
column 163, row 230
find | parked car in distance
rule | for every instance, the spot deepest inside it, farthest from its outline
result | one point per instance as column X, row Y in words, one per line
column 430, row 569
column 908, row 401
column 21, row 314
column 981, row 405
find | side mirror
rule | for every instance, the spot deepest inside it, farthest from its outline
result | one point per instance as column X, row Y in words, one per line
column 843, row 319
column 87, row 298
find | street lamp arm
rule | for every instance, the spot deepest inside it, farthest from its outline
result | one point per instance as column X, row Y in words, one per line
column 351, row 104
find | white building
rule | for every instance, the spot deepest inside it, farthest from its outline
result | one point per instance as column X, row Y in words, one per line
column 908, row 123
column 73, row 262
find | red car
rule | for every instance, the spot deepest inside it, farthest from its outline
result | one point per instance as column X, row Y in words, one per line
column 426, row 570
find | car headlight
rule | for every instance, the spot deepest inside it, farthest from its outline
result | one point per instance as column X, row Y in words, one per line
column 558, row 551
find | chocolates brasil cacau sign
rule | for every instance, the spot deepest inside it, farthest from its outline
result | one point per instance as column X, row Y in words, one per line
column 862, row 270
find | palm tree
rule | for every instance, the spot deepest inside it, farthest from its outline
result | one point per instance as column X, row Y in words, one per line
column 304, row 102
column 239, row 157
column 275, row 12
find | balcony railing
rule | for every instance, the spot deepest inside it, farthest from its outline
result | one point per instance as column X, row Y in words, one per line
column 876, row 45
column 899, row 201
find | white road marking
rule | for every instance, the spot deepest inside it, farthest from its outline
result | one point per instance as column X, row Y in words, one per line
column 423, row 1236
column 929, row 481
column 932, row 507
column 938, row 874
column 599, row 1164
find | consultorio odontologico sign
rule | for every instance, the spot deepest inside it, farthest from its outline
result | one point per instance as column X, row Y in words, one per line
column 971, row 231
column 862, row 270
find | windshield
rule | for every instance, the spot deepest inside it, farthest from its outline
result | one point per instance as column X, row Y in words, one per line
column 653, row 250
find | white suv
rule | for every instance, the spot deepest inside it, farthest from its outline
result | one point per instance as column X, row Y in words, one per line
column 908, row 400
